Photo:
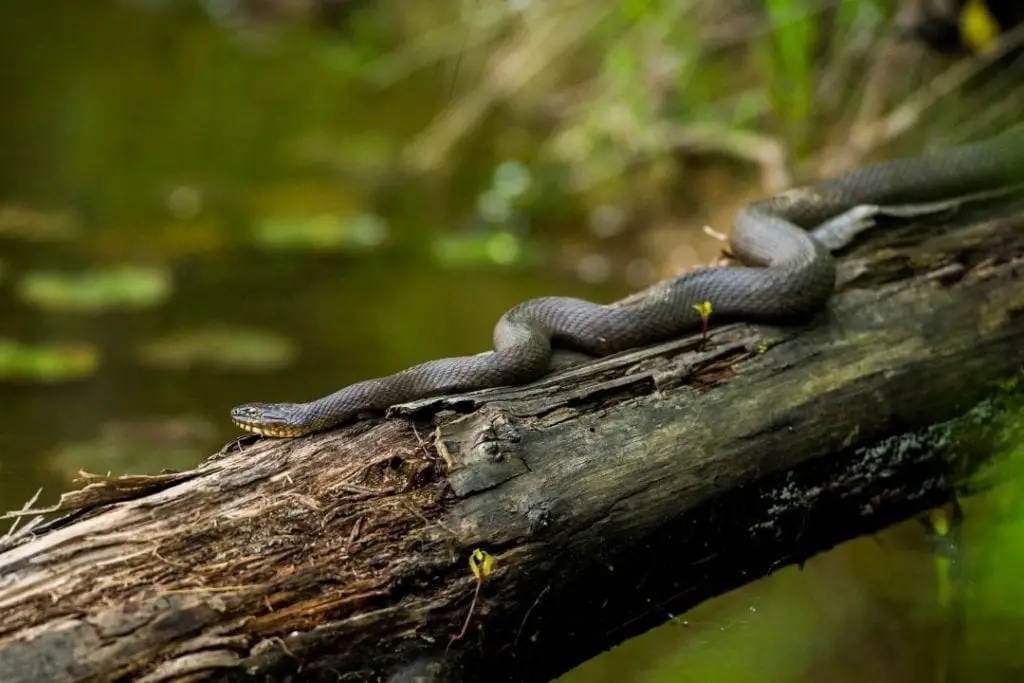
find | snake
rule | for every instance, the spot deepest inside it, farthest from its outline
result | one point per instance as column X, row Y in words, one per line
column 786, row 273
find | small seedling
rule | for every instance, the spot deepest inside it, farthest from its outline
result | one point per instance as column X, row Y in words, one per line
column 704, row 310
column 480, row 563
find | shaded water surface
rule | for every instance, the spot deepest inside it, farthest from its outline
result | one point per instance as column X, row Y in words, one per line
column 242, row 175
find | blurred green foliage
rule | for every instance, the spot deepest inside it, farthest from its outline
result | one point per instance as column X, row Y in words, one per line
column 221, row 346
column 996, row 549
column 483, row 248
column 790, row 62
column 96, row 289
column 137, row 446
column 47, row 363
column 21, row 222
column 323, row 231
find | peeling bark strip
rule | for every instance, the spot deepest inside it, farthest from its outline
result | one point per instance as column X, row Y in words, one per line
column 612, row 496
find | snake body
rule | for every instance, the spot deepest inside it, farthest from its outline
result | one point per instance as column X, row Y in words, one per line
column 788, row 274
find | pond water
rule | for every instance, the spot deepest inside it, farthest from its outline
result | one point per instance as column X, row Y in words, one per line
column 195, row 214
column 264, row 261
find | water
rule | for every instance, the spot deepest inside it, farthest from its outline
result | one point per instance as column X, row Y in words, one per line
column 173, row 143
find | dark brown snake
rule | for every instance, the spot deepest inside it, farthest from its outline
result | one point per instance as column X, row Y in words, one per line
column 789, row 274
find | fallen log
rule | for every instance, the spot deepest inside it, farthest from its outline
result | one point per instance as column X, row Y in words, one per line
column 611, row 496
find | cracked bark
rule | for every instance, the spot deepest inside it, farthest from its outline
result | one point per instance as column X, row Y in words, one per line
column 613, row 496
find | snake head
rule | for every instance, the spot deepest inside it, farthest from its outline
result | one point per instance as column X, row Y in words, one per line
column 279, row 420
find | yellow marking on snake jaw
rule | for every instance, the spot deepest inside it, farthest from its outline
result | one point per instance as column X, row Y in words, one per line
column 283, row 433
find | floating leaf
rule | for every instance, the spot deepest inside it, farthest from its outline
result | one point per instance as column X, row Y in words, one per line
column 46, row 362
column 221, row 347
column 496, row 248
column 119, row 287
column 325, row 231
column 139, row 446
column 37, row 226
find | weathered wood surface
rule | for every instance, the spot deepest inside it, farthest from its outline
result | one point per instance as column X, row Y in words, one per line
column 613, row 496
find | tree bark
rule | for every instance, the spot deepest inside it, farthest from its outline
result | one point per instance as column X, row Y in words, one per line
column 612, row 496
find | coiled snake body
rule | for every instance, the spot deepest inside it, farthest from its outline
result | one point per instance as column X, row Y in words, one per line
column 789, row 273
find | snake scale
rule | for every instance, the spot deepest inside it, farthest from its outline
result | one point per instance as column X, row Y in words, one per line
column 788, row 273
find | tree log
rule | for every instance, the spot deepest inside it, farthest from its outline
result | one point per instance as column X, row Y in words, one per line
column 612, row 496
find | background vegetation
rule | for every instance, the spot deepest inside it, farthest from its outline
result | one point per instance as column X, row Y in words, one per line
column 211, row 202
